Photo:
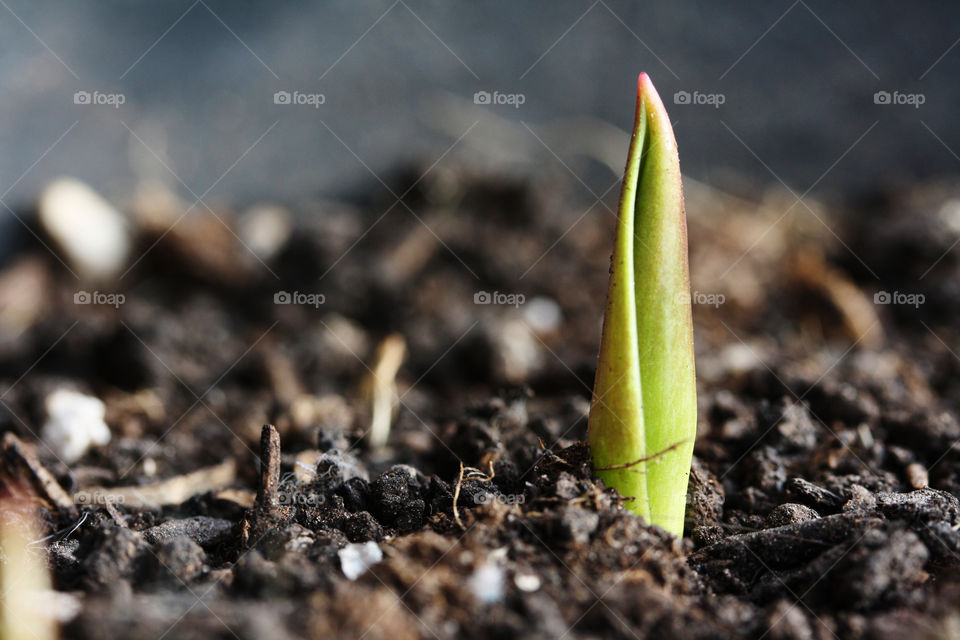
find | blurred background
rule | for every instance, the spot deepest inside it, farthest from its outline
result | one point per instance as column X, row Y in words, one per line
column 398, row 162
column 820, row 96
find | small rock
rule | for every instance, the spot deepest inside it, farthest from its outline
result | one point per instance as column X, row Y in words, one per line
column 206, row 531
column 361, row 527
column 923, row 504
column 576, row 524
column 294, row 538
column 179, row 559
column 917, row 475
column 787, row 514
column 861, row 499
column 486, row 583
column 543, row 314
column 766, row 470
column 74, row 424
column 355, row 558
column 526, row 582
column 813, row 496
column 115, row 556
column 354, row 493
column 518, row 351
column 265, row 229
column 566, row 486
column 94, row 236
column 705, row 497
column 793, row 430
column 397, row 499
column 706, row 534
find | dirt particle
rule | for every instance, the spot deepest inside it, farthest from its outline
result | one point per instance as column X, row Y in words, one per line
column 788, row 514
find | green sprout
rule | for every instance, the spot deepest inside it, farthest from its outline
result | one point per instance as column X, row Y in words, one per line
column 643, row 418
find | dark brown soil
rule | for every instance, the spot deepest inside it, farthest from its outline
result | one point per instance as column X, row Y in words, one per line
column 824, row 500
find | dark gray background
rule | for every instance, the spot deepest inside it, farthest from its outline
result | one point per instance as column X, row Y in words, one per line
column 199, row 77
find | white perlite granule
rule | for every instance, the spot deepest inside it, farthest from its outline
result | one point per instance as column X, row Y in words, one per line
column 486, row 583
column 74, row 424
column 356, row 558
column 94, row 236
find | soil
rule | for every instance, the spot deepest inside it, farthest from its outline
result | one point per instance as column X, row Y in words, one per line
column 824, row 495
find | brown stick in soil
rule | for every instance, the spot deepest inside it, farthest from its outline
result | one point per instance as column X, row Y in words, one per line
column 166, row 492
column 20, row 460
column 265, row 507
column 269, row 468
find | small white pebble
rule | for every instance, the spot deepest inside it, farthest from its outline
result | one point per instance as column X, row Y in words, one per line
column 356, row 558
column 94, row 236
column 950, row 214
column 149, row 467
column 486, row 583
column 518, row 348
column 265, row 229
column 739, row 358
column 74, row 424
column 526, row 582
column 543, row 314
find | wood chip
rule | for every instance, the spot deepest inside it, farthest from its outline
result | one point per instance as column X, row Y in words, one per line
column 20, row 461
column 283, row 375
column 917, row 476
column 172, row 491
column 242, row 497
column 380, row 388
column 858, row 311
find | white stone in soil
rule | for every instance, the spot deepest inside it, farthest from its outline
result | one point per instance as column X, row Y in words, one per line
column 74, row 424
column 486, row 583
column 93, row 235
column 526, row 582
column 265, row 229
column 356, row 558
column 543, row 314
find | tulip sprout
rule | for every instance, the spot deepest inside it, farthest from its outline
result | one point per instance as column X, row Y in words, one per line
column 643, row 417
